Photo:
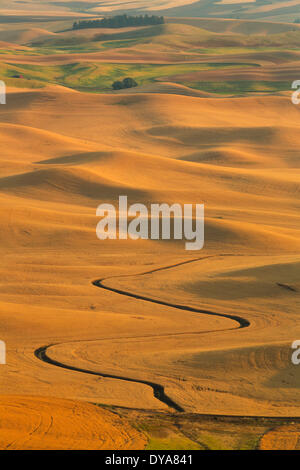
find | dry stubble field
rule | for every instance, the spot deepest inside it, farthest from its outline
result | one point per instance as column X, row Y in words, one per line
column 169, row 335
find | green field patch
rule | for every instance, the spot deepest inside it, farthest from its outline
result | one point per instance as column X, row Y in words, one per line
column 238, row 87
column 248, row 442
column 119, row 44
column 173, row 443
column 232, row 50
column 99, row 77
column 95, row 77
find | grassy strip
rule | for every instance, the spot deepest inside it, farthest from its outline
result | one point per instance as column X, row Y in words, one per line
column 240, row 86
column 97, row 77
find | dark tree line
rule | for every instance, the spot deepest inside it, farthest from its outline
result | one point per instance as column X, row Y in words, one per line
column 120, row 21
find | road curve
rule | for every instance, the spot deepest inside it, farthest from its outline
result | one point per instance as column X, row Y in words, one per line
column 158, row 390
column 242, row 322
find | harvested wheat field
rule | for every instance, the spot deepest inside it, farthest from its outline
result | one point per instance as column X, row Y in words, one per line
column 43, row 424
column 105, row 339
column 281, row 438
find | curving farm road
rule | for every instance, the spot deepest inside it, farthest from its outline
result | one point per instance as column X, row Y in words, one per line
column 158, row 390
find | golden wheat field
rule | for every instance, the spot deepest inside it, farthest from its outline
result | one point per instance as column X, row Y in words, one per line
column 105, row 339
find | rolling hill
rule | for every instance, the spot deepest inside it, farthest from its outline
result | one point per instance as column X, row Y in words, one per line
column 267, row 10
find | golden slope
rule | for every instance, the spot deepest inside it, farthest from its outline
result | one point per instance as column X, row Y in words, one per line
column 33, row 423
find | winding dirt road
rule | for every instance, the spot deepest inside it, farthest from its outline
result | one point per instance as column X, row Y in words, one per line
column 158, row 390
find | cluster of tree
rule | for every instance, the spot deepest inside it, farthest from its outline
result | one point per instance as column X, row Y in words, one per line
column 126, row 83
column 120, row 21
column 297, row 21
